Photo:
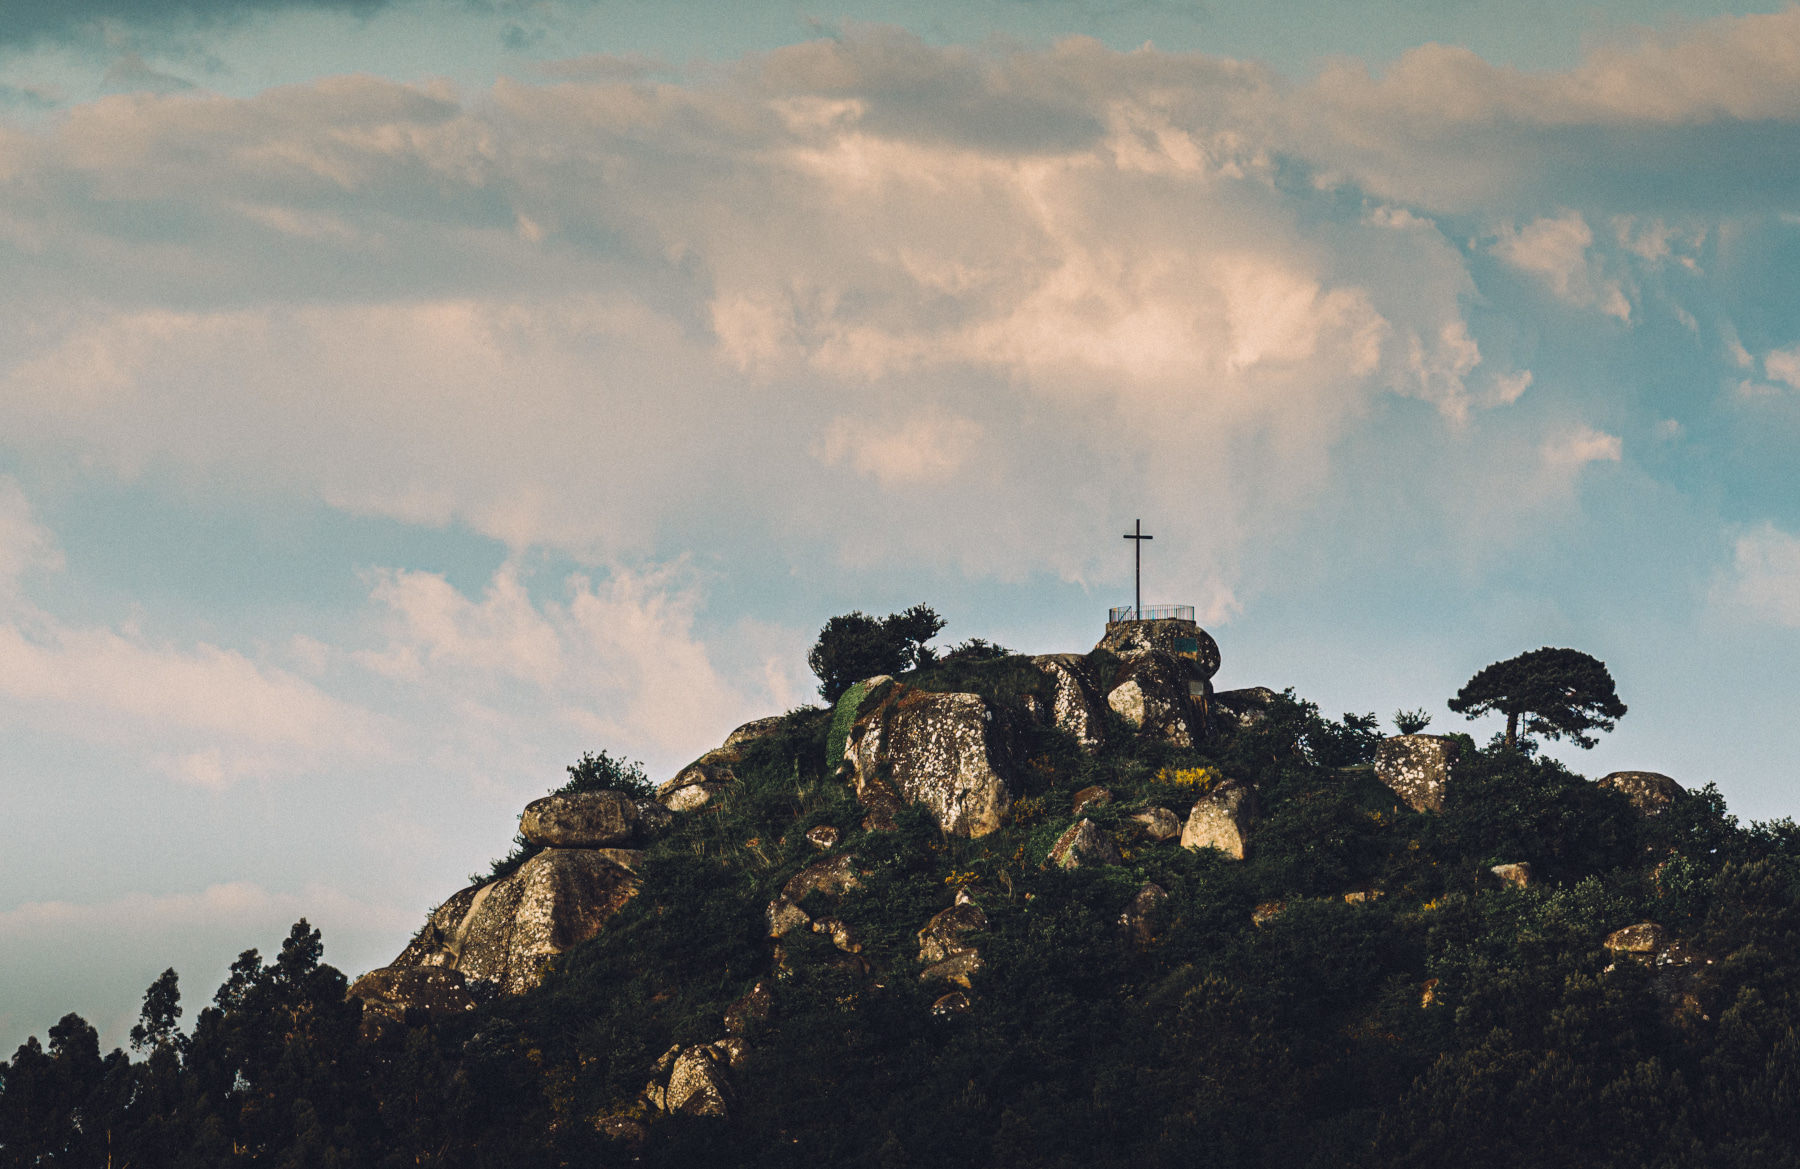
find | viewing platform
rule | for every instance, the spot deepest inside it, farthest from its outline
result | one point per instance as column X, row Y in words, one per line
column 1126, row 613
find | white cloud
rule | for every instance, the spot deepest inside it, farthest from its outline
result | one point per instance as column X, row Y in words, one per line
column 918, row 450
column 1556, row 252
column 1578, row 447
column 1764, row 579
column 1783, row 365
column 617, row 660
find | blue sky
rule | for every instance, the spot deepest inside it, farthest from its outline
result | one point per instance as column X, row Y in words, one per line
column 400, row 399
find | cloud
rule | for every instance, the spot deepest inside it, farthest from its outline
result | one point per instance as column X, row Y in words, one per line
column 1764, row 579
column 1783, row 365
column 918, row 449
column 616, row 660
column 847, row 278
column 205, row 715
column 1556, row 252
column 1581, row 446
column 23, row 22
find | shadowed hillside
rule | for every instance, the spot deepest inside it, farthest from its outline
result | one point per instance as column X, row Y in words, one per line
column 994, row 910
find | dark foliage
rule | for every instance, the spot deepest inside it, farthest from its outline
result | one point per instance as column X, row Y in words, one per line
column 1562, row 691
column 854, row 646
column 1431, row 1016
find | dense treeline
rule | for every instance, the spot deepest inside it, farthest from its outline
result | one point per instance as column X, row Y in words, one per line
column 1435, row 1016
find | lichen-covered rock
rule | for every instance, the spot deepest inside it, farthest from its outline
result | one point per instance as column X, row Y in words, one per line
column 1140, row 913
column 695, row 786
column 1095, row 796
column 699, row 1084
column 1220, row 819
column 947, row 934
column 1084, row 844
column 832, row 876
column 755, row 1007
column 944, row 751
column 1267, row 912
column 509, row 928
column 426, row 992
column 1417, row 767
column 1075, row 704
column 436, row 942
column 1644, row 938
column 1649, row 791
column 1152, row 692
column 1514, row 874
column 954, row 1003
column 759, row 728
column 581, row 820
column 958, row 968
column 1182, row 639
column 785, row 917
column 824, row 837
column 1157, row 823
column 1242, row 708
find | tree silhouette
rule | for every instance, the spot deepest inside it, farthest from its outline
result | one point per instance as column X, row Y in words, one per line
column 854, row 646
column 1562, row 691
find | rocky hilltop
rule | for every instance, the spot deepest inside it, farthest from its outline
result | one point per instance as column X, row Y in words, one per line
column 994, row 910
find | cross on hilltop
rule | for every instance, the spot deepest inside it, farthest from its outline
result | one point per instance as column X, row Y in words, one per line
column 1137, row 547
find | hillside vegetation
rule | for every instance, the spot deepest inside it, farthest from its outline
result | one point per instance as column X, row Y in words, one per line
column 1360, row 990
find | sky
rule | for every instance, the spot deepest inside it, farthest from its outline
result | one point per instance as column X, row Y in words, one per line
column 399, row 398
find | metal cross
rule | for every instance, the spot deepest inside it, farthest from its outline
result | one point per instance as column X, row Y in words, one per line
column 1137, row 612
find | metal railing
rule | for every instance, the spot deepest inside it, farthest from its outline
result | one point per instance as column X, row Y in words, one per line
column 1150, row 613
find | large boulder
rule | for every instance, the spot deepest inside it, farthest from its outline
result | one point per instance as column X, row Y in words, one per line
column 1649, row 791
column 695, row 785
column 1181, row 639
column 1084, row 844
column 507, row 929
column 1242, row 708
column 944, row 751
column 947, row 934
column 1417, row 767
column 582, row 820
column 754, row 729
column 1220, row 819
column 1154, row 692
column 694, row 1080
column 1076, row 705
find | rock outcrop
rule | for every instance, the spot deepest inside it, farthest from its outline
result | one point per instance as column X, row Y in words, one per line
column 1083, row 844
column 1644, row 938
column 1182, row 639
column 1417, row 767
column 1076, row 704
column 831, row 876
column 1649, row 791
column 1514, row 874
column 945, row 751
column 1242, row 708
column 1157, row 823
column 1140, row 914
column 695, row 785
column 504, row 931
column 1220, row 819
column 947, row 934
column 1153, row 692
column 1095, row 797
column 584, row 820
